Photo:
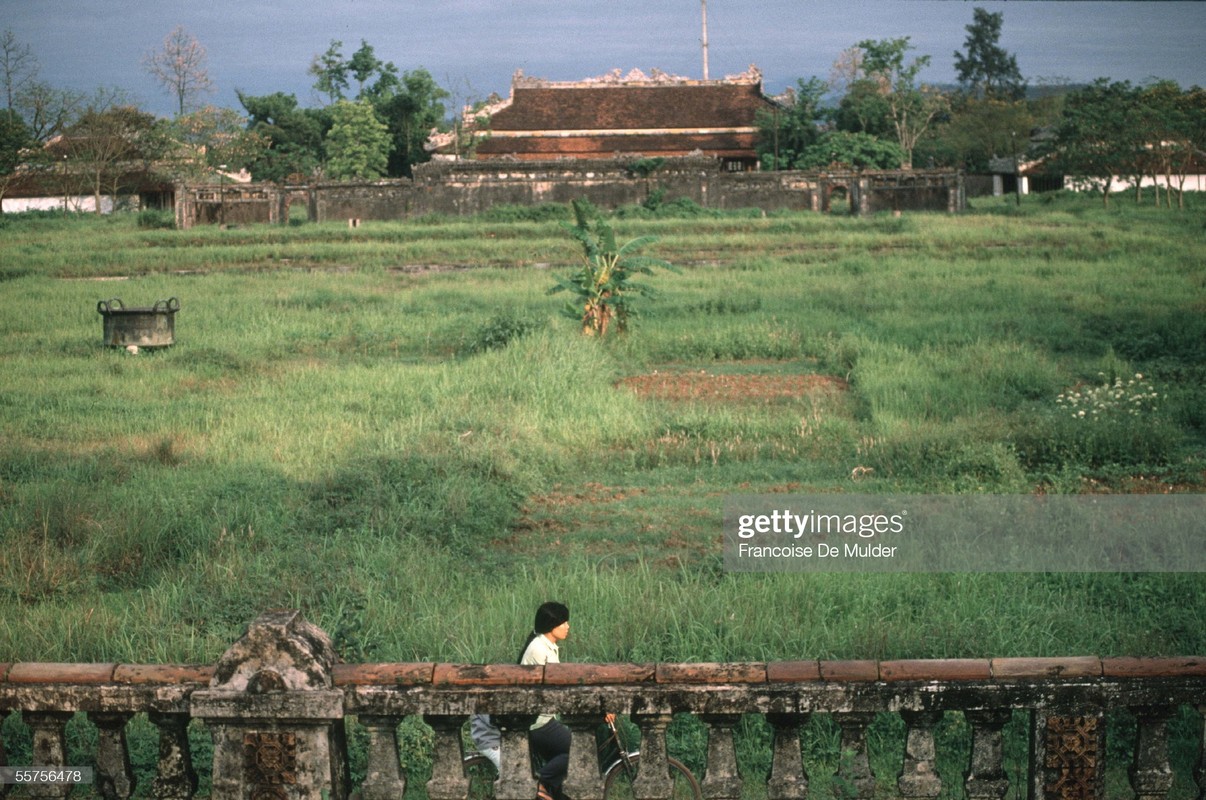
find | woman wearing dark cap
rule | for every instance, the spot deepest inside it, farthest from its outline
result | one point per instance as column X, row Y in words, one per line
column 550, row 739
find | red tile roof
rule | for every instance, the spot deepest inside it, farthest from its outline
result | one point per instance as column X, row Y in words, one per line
column 604, row 117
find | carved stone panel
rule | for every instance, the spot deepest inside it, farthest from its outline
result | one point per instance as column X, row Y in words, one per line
column 1072, row 757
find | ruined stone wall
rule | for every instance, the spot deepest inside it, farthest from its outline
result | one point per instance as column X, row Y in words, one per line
column 471, row 187
column 392, row 199
column 911, row 191
column 476, row 186
column 227, row 204
column 769, row 191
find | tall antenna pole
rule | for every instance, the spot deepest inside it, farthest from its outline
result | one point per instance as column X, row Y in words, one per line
column 704, row 41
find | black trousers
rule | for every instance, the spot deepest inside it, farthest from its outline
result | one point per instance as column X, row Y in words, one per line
column 551, row 744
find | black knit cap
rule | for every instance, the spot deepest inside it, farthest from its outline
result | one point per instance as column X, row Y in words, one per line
column 549, row 616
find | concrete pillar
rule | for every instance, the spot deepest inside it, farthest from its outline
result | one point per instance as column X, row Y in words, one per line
column 384, row 778
column 175, row 778
column 49, row 748
column 653, row 780
column 986, row 779
column 1151, row 774
column 787, row 780
column 114, row 775
column 583, row 781
column 515, row 780
column 854, row 769
column 721, row 780
column 448, row 780
column 919, row 775
column 275, row 716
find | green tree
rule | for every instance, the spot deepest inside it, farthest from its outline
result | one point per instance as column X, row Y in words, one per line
column 842, row 149
column 786, row 130
column 111, row 144
column 987, row 70
column 1168, row 118
column 294, row 136
column 911, row 108
column 14, row 140
column 375, row 79
column 410, row 114
column 358, row 143
column 330, row 72
column 982, row 129
column 864, row 109
column 1096, row 138
column 213, row 138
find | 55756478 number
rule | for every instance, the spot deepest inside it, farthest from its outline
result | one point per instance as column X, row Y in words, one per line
column 26, row 776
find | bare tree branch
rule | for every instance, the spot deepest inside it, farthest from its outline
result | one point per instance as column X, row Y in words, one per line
column 180, row 66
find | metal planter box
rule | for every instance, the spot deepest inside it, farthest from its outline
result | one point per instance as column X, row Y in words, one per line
column 144, row 327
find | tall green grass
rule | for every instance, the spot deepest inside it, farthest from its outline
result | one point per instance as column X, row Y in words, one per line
column 400, row 406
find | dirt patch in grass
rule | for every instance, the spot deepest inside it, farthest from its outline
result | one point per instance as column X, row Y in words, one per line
column 704, row 385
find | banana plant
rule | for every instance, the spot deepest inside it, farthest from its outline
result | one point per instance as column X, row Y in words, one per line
column 601, row 288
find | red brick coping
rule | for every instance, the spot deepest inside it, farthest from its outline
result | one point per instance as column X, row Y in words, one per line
column 574, row 674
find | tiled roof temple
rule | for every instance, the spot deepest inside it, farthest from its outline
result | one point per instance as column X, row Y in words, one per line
column 621, row 114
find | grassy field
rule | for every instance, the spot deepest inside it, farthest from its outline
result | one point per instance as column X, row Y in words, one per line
column 393, row 429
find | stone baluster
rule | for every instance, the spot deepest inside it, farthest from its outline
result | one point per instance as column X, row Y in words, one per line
column 653, row 780
column 985, row 777
column 1200, row 769
column 114, row 775
column 515, row 781
column 854, row 768
column 1151, row 774
column 175, row 778
column 49, row 747
column 583, row 781
column 787, row 779
column 721, row 780
column 918, row 775
column 1199, row 773
column 384, row 778
column 448, row 779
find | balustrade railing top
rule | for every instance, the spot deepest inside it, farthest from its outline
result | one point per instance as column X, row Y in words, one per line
column 276, row 702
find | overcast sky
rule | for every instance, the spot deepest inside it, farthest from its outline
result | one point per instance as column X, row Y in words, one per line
column 472, row 47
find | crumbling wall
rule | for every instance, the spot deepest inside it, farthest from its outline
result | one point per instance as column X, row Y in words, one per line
column 392, row 199
column 227, row 204
column 475, row 186
column 471, row 187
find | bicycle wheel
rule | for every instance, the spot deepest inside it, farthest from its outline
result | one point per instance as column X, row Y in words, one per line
column 481, row 774
column 618, row 784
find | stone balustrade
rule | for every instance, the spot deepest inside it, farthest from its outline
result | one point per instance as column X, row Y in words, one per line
column 277, row 701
